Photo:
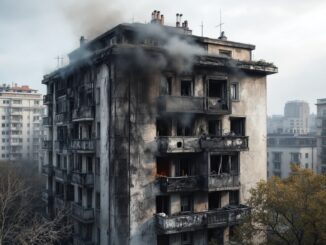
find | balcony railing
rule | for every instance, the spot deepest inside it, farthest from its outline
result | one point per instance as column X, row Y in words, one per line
column 61, row 145
column 192, row 104
column 222, row 217
column 47, row 144
column 178, row 144
column 61, row 174
column 47, row 170
column 47, row 99
column 60, row 92
column 180, row 184
column 87, row 145
column 47, row 121
column 83, row 114
column 181, row 144
column 84, row 179
column 223, row 181
column 61, row 118
column 82, row 214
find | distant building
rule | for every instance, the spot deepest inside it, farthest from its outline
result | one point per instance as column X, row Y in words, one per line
column 21, row 110
column 321, row 134
column 275, row 124
column 284, row 150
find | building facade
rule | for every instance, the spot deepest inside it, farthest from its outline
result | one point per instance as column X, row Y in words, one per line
column 155, row 135
column 21, row 111
column 284, row 150
column 321, row 134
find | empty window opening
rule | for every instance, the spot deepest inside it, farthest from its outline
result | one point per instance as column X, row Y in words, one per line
column 70, row 192
column 237, row 126
column 163, row 127
column 165, row 85
column 186, row 88
column 184, row 126
column 224, row 164
column 234, row 90
column 215, row 127
column 186, row 238
column 184, row 167
column 162, row 204
column 186, row 203
column 214, row 200
column 217, row 89
column 225, row 53
column 216, row 236
column 162, row 166
column 234, row 198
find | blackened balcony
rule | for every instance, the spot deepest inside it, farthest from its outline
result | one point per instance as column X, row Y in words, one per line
column 83, row 179
column 178, row 144
column 226, row 142
column 83, row 145
column 47, row 99
column 61, row 145
column 60, row 92
column 62, row 174
column 47, row 144
column 170, row 224
column 86, row 113
column 224, row 181
column 192, row 104
column 47, row 121
column 222, row 217
column 47, row 170
column 82, row 214
column 61, row 118
column 180, row 184
column 79, row 240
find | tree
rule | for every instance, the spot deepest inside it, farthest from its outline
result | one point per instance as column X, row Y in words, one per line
column 21, row 221
column 289, row 211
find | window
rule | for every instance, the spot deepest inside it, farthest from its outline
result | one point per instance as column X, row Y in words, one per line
column 97, row 166
column 214, row 200
column 295, row 157
column 36, row 102
column 307, row 155
column 234, row 197
column 214, row 127
column 165, row 86
column 237, row 126
column 234, row 91
column 162, row 204
column 186, row 238
column 184, row 167
column 98, row 96
column 184, row 127
column 186, row 88
column 186, row 203
column 3, row 117
column 98, row 201
column 17, row 102
column 98, row 130
column 163, row 127
column 277, row 165
column 227, row 53
column 162, row 166
column 306, row 165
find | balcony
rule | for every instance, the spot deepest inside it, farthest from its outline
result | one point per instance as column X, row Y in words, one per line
column 47, row 170
column 178, row 144
column 60, row 92
column 62, row 174
column 218, row 182
column 47, row 196
column 226, row 142
column 222, row 217
column 59, row 202
column 47, row 99
column 83, row 114
column 47, row 121
column 61, row 145
column 192, row 104
column 79, row 240
column 83, row 179
column 83, row 146
column 192, row 144
column 82, row 214
column 61, row 118
column 47, row 144
column 180, row 184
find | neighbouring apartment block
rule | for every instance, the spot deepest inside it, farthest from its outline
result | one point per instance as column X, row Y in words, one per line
column 21, row 112
column 155, row 136
column 284, row 150
column 321, row 134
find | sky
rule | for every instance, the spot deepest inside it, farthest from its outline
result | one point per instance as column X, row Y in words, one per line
column 289, row 33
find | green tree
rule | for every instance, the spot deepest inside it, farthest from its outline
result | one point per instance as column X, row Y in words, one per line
column 289, row 211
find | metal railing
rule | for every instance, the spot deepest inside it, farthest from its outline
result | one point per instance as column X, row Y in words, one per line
column 83, row 113
column 182, row 183
column 47, row 121
column 223, row 181
column 178, row 144
column 228, row 142
column 85, row 215
column 84, row 179
column 83, row 145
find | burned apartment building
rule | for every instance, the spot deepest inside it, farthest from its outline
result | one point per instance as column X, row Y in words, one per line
column 155, row 135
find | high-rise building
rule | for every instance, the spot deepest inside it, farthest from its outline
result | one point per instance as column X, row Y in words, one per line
column 156, row 136
column 321, row 134
column 296, row 117
column 21, row 111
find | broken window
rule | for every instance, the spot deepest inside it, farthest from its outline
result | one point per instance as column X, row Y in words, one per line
column 163, row 127
column 217, row 89
column 162, row 204
column 215, row 127
column 226, row 53
column 184, row 167
column 162, row 166
column 234, row 197
column 165, row 85
column 224, row 164
column 237, row 126
column 186, row 203
column 214, row 200
column 186, row 238
column 184, row 127
column 186, row 88
column 234, row 90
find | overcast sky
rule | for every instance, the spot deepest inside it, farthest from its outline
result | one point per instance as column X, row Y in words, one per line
column 291, row 34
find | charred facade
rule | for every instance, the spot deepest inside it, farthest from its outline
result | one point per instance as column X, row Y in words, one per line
column 155, row 135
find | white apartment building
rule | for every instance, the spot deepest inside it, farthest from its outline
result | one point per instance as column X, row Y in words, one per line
column 285, row 150
column 321, row 134
column 21, row 110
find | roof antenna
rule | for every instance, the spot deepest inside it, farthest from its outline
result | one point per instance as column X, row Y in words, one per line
column 202, row 28
column 220, row 24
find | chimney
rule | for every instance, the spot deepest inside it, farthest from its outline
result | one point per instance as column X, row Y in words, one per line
column 82, row 40
column 162, row 19
column 177, row 24
column 158, row 15
column 153, row 15
column 222, row 36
